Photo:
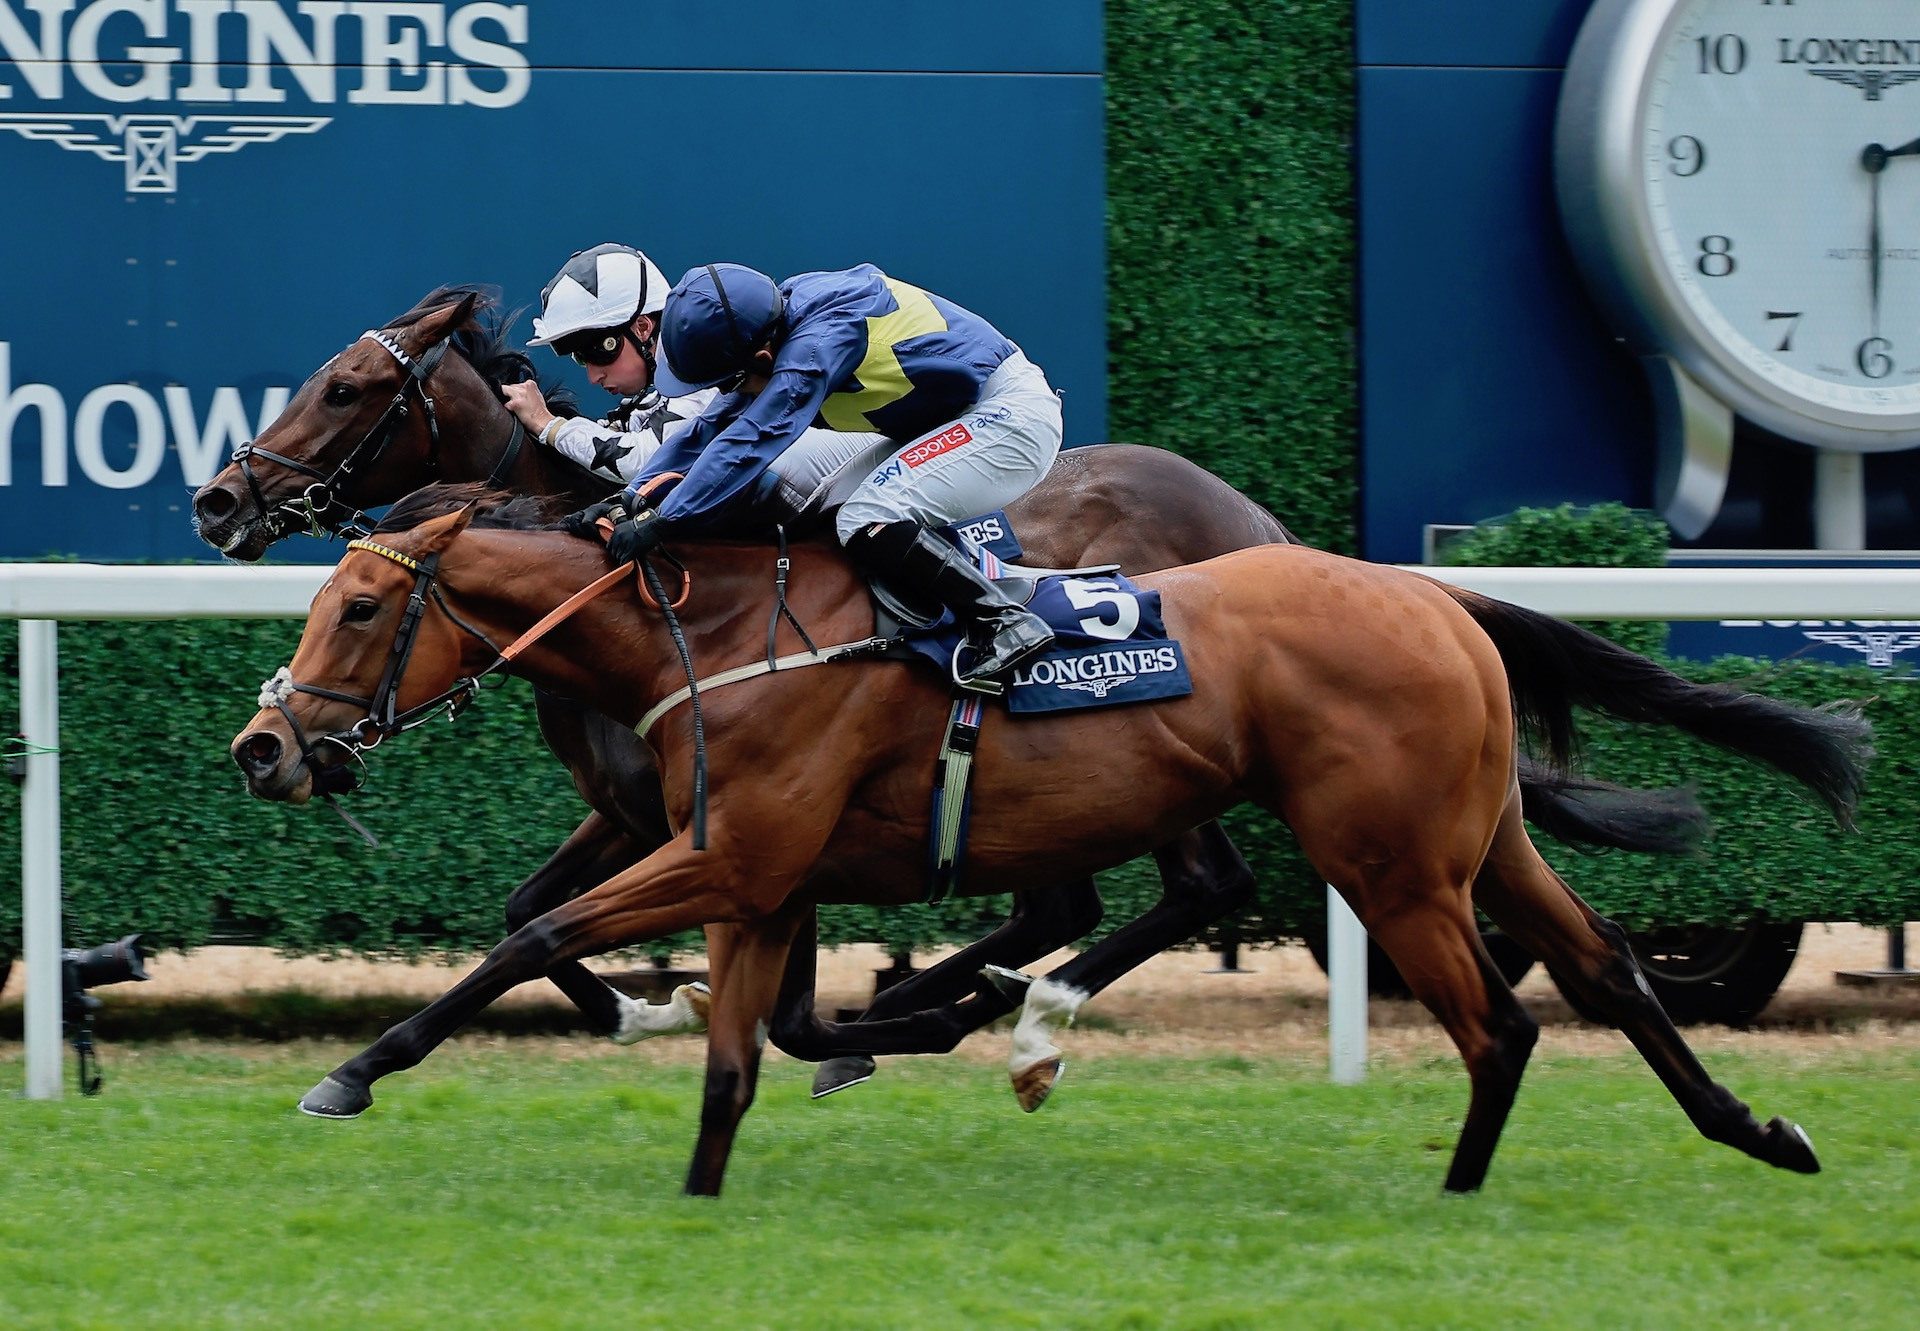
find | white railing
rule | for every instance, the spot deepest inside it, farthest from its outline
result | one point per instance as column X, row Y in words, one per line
column 39, row 594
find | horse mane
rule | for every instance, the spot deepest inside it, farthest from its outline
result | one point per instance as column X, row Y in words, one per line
column 482, row 339
column 492, row 508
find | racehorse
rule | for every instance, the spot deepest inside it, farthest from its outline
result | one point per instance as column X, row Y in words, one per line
column 360, row 433
column 1371, row 709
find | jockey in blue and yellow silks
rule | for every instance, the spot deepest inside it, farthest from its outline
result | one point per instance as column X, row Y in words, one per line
column 966, row 424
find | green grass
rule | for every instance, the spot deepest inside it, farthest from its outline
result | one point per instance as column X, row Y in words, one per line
column 510, row 1187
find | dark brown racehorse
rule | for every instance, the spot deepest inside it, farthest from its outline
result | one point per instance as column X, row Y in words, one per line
column 1371, row 709
column 1141, row 508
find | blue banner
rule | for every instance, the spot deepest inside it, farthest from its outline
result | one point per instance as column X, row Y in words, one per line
column 208, row 198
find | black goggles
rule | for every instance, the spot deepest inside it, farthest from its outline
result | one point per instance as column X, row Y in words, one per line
column 599, row 346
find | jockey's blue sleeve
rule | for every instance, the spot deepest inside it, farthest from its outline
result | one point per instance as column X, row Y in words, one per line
column 732, row 460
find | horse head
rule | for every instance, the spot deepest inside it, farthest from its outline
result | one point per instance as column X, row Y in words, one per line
column 381, row 652
column 413, row 402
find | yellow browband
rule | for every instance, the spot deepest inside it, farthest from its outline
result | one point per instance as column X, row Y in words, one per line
column 403, row 560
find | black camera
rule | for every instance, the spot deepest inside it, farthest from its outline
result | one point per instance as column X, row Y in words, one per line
column 82, row 969
column 110, row 963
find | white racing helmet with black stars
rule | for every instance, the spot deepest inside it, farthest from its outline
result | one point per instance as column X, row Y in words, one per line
column 598, row 291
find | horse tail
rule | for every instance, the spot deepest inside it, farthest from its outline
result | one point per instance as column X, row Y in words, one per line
column 1553, row 667
column 1598, row 815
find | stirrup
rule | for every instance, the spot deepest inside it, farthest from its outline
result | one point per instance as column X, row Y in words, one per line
column 986, row 685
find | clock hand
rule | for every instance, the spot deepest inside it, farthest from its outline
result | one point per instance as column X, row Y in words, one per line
column 1904, row 150
column 1874, row 158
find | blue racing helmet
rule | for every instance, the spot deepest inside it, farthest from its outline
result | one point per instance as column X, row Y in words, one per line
column 716, row 317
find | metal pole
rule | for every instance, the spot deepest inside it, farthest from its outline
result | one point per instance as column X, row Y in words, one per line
column 1839, row 500
column 40, row 853
column 1346, row 991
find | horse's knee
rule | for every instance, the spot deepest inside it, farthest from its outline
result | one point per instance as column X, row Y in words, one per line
column 727, row 1097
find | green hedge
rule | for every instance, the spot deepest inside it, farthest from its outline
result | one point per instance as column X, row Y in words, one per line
column 1230, row 246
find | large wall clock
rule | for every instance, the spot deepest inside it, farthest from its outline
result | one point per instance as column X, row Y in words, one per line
column 1740, row 181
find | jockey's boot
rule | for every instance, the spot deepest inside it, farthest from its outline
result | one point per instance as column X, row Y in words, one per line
column 927, row 568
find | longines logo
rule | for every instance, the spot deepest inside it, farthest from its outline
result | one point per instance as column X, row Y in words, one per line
column 192, row 55
column 1824, row 53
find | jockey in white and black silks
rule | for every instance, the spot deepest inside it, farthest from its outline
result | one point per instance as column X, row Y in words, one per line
column 603, row 309
column 852, row 391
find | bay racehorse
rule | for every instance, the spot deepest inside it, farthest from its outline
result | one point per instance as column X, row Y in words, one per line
column 366, row 429
column 1371, row 709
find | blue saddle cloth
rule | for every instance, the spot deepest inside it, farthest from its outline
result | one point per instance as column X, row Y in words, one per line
column 1112, row 645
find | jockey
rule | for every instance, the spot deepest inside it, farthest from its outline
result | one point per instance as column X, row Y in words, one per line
column 966, row 424
column 603, row 309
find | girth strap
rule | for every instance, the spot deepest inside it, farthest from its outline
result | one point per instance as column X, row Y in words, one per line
column 953, row 795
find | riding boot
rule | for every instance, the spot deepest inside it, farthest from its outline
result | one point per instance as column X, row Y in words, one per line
column 1003, row 634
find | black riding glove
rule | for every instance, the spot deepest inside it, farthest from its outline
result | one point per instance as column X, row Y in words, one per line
column 584, row 523
column 634, row 537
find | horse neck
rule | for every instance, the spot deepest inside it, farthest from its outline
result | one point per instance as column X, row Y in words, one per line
column 616, row 652
column 475, row 450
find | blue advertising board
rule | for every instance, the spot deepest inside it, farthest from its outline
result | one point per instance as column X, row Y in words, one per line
column 204, row 199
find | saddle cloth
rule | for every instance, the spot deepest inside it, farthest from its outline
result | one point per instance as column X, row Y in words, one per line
column 1112, row 646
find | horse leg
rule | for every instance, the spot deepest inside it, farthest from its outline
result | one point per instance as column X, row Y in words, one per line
column 1588, row 957
column 1434, row 941
column 1205, row 879
column 672, row 889
column 1041, row 922
column 744, row 996
column 595, row 852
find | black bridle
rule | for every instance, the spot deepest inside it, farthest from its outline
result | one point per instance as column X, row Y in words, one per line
column 384, row 716
column 321, row 509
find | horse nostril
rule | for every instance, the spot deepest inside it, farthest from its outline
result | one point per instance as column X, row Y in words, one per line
column 258, row 754
column 214, row 505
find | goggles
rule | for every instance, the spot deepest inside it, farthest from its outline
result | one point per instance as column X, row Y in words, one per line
column 599, row 346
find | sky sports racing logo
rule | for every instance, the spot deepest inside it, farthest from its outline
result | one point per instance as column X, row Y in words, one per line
column 211, row 61
column 928, row 449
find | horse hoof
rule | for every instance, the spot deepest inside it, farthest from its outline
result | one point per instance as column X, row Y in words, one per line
column 333, row 1099
column 1789, row 1147
column 836, row 1074
column 1011, row 984
column 1033, row 1085
column 699, row 998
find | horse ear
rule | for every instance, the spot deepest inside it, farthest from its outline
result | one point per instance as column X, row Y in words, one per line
column 444, row 321
column 437, row 534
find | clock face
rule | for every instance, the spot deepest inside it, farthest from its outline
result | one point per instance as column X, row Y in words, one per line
column 1778, row 154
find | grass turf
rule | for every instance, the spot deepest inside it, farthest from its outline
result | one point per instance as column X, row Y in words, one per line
column 531, row 1187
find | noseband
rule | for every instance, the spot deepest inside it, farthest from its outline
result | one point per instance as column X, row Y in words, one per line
column 321, row 510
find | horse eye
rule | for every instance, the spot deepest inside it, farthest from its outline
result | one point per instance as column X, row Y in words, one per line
column 359, row 612
column 342, row 395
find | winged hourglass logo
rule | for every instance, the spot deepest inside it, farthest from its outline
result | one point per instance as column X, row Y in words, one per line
column 1872, row 82
column 153, row 146
column 1879, row 647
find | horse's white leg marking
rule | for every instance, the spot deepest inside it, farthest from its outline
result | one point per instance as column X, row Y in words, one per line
column 684, row 1013
column 1049, row 1009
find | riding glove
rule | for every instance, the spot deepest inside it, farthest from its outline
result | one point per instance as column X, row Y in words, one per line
column 634, row 537
column 585, row 522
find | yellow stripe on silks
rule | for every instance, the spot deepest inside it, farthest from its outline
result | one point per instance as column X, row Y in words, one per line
column 881, row 378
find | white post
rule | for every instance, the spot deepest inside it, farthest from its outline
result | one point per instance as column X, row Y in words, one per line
column 1346, row 991
column 1839, row 500
column 40, row 853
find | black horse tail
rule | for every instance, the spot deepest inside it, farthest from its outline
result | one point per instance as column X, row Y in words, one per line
column 1598, row 815
column 1553, row 667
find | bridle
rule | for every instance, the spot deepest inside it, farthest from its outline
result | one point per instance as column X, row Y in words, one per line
column 383, row 715
column 321, row 509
